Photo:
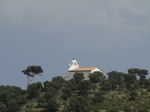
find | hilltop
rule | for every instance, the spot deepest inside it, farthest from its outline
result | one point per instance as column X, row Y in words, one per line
column 120, row 92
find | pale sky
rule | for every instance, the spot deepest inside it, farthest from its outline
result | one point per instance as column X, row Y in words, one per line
column 110, row 34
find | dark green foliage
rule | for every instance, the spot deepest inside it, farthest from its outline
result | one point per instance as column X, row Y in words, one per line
column 113, row 74
column 106, row 86
column 142, row 110
column 127, row 109
column 72, row 85
column 83, row 87
column 133, row 95
column 139, row 72
column 78, row 77
column 135, row 85
column 148, row 89
column 2, row 107
column 41, row 101
column 21, row 100
column 32, row 70
column 34, row 90
column 4, row 97
column 78, row 104
column 52, row 86
column 128, row 86
column 52, row 106
column 8, row 93
column 11, row 98
column 66, row 93
column 65, row 110
column 98, row 98
column 30, row 110
column 55, row 85
column 59, row 80
column 47, row 86
column 96, row 77
column 48, row 96
column 145, row 82
column 96, row 110
column 119, row 92
column 114, row 79
column 116, row 76
column 129, row 78
column 64, row 96
column 113, row 83
column 39, row 86
column 11, row 89
column 12, row 106
column 69, row 87
column 112, row 109
column 93, row 87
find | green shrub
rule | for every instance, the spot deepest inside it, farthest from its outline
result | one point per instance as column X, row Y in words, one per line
column 142, row 110
column 127, row 109
column 2, row 107
column 148, row 89
column 112, row 109
column 31, row 110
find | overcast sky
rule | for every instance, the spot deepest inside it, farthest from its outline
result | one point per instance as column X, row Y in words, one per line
column 110, row 34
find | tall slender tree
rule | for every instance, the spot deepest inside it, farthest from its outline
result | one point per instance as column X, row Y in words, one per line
column 31, row 71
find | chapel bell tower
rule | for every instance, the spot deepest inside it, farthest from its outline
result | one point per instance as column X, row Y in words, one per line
column 73, row 65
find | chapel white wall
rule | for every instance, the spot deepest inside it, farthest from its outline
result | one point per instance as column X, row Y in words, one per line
column 96, row 70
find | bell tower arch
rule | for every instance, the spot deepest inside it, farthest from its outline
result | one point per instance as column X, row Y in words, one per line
column 73, row 65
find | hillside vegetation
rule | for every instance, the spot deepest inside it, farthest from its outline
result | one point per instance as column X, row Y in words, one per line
column 120, row 92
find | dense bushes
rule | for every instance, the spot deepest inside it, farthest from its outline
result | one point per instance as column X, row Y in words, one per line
column 11, row 98
column 127, row 92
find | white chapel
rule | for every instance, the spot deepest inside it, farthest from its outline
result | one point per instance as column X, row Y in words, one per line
column 74, row 68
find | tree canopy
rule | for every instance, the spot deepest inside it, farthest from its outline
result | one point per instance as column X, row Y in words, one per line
column 31, row 71
column 125, row 92
column 96, row 77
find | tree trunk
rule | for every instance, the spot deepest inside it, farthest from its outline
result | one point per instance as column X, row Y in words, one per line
column 29, row 80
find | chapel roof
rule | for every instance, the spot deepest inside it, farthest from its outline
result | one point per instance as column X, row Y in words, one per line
column 83, row 69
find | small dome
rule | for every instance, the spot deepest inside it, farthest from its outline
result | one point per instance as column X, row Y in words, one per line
column 73, row 61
